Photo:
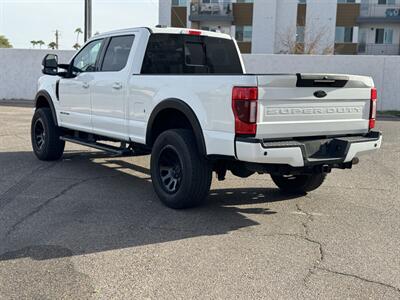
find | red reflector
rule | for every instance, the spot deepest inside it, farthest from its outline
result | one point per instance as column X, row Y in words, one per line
column 372, row 123
column 194, row 32
column 244, row 105
column 374, row 94
column 372, row 115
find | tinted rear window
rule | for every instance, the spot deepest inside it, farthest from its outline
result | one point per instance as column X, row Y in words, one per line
column 185, row 54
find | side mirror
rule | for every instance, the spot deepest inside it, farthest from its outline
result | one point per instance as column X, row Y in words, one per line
column 50, row 64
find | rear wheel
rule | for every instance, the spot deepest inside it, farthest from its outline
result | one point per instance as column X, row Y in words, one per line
column 181, row 176
column 299, row 184
column 45, row 136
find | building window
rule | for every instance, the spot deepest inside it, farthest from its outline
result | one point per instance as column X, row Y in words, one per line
column 243, row 33
column 179, row 2
column 344, row 34
column 386, row 2
column 245, row 1
column 384, row 36
column 300, row 34
column 302, row 1
column 346, row 1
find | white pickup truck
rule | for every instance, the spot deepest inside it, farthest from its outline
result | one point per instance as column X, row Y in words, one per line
column 183, row 95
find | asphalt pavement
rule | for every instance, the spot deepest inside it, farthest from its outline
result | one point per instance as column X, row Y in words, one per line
column 91, row 227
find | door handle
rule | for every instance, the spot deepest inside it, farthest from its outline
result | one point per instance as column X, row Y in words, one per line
column 85, row 85
column 117, row 86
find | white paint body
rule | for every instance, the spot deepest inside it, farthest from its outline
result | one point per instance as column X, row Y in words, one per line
column 91, row 103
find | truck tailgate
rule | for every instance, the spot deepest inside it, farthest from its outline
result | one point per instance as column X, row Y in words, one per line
column 301, row 105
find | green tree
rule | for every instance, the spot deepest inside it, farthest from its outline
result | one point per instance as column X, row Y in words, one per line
column 34, row 43
column 52, row 45
column 4, row 42
column 40, row 43
column 76, row 46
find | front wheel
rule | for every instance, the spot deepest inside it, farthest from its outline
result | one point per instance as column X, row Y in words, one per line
column 181, row 176
column 298, row 184
column 45, row 136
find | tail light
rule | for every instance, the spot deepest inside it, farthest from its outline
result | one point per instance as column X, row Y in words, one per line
column 244, row 105
column 372, row 114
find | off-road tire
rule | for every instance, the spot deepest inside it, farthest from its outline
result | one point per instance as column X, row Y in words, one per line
column 193, row 172
column 51, row 147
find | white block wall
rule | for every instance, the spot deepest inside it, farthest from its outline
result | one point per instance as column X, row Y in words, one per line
column 383, row 69
column 20, row 70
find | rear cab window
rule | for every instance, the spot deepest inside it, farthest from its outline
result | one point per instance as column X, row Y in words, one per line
column 185, row 54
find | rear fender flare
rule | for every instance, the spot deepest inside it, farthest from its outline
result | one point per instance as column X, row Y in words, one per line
column 185, row 109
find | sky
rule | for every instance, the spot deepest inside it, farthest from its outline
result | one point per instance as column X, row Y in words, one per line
column 22, row 21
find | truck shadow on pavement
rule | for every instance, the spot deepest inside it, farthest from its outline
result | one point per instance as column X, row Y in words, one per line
column 88, row 203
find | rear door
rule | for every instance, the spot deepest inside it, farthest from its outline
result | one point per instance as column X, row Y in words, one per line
column 313, row 105
column 109, row 88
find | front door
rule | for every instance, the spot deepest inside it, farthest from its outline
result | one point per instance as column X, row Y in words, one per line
column 75, row 93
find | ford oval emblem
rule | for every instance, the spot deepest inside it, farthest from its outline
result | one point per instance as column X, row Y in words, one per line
column 320, row 94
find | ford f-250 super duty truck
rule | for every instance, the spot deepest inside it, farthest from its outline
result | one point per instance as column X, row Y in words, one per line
column 183, row 95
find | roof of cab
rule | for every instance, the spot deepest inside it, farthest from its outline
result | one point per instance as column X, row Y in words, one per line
column 166, row 30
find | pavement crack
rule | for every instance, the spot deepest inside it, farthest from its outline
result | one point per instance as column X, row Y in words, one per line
column 305, row 224
column 360, row 278
column 39, row 208
column 316, row 265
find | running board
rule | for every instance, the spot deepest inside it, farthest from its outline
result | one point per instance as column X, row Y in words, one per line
column 99, row 146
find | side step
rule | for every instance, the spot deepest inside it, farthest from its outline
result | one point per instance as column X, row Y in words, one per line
column 120, row 151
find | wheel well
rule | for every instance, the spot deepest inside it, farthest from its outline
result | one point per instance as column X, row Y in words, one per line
column 42, row 102
column 43, row 99
column 168, row 118
column 173, row 114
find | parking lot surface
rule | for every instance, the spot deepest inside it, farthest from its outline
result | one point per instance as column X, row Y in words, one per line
column 91, row 227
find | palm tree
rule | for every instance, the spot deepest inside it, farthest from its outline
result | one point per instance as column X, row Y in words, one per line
column 78, row 31
column 76, row 46
column 34, row 43
column 52, row 45
column 40, row 43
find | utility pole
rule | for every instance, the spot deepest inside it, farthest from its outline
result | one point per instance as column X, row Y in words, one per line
column 88, row 19
column 57, row 38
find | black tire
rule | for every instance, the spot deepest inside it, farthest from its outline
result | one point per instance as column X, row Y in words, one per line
column 45, row 136
column 299, row 184
column 181, row 176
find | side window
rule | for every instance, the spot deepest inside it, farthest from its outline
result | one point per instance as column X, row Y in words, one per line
column 86, row 59
column 117, row 53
